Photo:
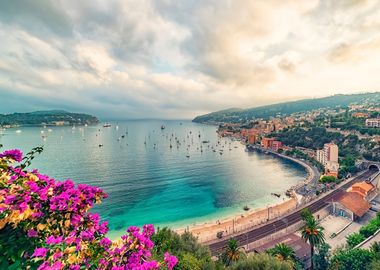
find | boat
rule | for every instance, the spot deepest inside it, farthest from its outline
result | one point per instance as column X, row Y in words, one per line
column 205, row 141
column 246, row 208
column 162, row 127
column 100, row 145
column 276, row 194
column 18, row 131
column 107, row 125
column 188, row 156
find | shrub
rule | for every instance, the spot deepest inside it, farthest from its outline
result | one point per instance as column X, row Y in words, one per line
column 369, row 229
column 260, row 262
column 327, row 179
column 354, row 239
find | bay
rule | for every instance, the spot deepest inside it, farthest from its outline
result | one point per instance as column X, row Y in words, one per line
column 167, row 177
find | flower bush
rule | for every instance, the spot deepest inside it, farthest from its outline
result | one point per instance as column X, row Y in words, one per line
column 46, row 224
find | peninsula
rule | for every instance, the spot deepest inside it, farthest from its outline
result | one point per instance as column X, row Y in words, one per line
column 46, row 118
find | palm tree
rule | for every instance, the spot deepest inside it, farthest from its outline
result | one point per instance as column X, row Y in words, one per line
column 312, row 232
column 232, row 252
column 284, row 253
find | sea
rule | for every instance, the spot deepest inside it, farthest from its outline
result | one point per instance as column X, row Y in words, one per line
column 167, row 173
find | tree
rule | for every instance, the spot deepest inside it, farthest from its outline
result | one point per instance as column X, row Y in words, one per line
column 322, row 256
column 375, row 247
column 353, row 259
column 284, row 253
column 261, row 262
column 232, row 253
column 306, row 213
column 312, row 233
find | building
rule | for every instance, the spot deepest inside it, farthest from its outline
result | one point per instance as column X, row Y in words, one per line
column 331, row 152
column 365, row 189
column 350, row 205
column 252, row 138
column 373, row 122
column 320, row 156
column 328, row 157
column 60, row 123
column 271, row 143
column 267, row 143
column 276, row 145
column 360, row 115
column 332, row 168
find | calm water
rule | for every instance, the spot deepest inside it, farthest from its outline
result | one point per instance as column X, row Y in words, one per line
column 153, row 183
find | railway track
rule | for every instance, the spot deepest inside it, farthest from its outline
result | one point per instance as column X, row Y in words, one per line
column 292, row 218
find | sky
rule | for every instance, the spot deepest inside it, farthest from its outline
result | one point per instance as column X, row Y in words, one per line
column 173, row 59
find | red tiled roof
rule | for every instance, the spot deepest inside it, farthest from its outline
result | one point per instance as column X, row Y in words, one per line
column 354, row 202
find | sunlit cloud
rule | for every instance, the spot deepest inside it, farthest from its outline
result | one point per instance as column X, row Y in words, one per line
column 174, row 59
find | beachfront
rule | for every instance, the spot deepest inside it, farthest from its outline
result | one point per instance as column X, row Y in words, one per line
column 208, row 231
column 244, row 221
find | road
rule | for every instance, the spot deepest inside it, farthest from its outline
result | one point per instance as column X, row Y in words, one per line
column 292, row 218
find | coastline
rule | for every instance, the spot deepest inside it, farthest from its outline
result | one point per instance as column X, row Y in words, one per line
column 239, row 220
column 230, row 225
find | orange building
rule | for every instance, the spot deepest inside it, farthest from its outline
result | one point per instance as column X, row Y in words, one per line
column 360, row 115
column 267, row 143
column 252, row 138
column 365, row 189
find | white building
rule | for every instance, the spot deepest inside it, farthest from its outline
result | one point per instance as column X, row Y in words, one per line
column 328, row 157
column 374, row 122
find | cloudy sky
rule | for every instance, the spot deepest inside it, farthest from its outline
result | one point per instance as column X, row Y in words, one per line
column 178, row 59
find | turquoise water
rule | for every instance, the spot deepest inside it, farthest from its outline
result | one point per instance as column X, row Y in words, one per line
column 153, row 183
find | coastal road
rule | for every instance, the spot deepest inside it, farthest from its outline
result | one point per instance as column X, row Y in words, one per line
column 287, row 220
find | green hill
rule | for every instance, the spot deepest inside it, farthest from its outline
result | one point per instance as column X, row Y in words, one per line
column 286, row 108
column 47, row 118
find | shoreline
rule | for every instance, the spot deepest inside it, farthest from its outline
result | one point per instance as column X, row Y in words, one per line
column 230, row 225
column 240, row 220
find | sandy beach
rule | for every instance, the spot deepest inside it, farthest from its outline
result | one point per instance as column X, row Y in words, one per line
column 207, row 232
column 245, row 220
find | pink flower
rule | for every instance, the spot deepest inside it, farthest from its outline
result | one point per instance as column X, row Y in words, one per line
column 14, row 154
column 105, row 242
column 51, row 240
column 40, row 252
column 32, row 233
column 170, row 260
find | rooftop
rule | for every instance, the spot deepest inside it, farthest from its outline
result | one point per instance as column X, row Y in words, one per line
column 354, row 202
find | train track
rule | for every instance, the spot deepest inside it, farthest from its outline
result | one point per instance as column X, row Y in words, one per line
column 287, row 220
